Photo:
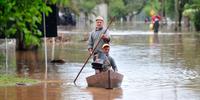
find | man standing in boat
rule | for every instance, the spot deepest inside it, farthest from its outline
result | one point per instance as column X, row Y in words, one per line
column 95, row 35
column 98, row 35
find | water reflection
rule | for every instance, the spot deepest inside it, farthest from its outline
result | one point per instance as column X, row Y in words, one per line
column 153, row 39
column 27, row 62
column 105, row 94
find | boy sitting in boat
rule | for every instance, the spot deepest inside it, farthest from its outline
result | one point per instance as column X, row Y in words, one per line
column 103, row 61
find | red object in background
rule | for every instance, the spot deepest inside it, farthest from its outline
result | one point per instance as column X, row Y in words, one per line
column 155, row 18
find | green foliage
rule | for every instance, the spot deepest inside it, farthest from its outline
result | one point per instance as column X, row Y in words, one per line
column 63, row 3
column 70, row 4
column 196, row 19
column 189, row 13
column 147, row 9
column 87, row 5
column 102, row 1
column 195, row 4
column 170, row 8
column 10, row 80
column 152, row 5
column 21, row 17
column 192, row 10
column 117, row 8
column 134, row 6
column 156, row 5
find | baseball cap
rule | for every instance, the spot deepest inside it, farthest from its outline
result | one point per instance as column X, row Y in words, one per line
column 99, row 18
column 105, row 45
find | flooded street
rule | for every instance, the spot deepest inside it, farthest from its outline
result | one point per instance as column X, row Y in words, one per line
column 155, row 67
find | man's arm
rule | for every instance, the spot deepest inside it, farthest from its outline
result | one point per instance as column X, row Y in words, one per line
column 90, row 43
column 106, row 37
column 113, row 64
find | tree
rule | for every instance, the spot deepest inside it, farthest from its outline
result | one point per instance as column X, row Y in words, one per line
column 87, row 6
column 122, row 8
column 20, row 18
column 179, row 7
column 192, row 11
column 134, row 7
column 116, row 8
column 152, row 6
column 70, row 4
column 169, row 7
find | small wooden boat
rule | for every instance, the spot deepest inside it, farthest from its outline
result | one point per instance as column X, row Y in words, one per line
column 108, row 80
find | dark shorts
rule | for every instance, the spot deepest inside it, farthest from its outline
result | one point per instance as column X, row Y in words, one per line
column 98, row 60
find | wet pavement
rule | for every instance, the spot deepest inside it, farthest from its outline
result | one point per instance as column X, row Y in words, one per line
column 155, row 67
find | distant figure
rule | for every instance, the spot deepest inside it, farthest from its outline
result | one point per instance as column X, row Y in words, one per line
column 103, row 61
column 155, row 22
column 146, row 20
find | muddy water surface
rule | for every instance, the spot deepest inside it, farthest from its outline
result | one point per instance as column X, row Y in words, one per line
column 155, row 67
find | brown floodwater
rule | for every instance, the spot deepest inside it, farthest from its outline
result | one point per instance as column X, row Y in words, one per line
column 155, row 67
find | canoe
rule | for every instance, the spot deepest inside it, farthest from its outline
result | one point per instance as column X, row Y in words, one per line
column 108, row 80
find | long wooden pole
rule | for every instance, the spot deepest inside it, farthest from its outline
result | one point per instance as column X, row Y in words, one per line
column 93, row 51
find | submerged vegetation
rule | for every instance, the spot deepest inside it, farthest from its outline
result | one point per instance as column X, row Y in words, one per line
column 11, row 80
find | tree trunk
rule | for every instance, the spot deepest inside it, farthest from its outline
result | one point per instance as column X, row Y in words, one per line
column 179, row 6
column 20, row 44
column 177, row 14
column 186, row 22
column 179, row 20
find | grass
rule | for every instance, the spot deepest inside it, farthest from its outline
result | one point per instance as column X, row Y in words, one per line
column 11, row 80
